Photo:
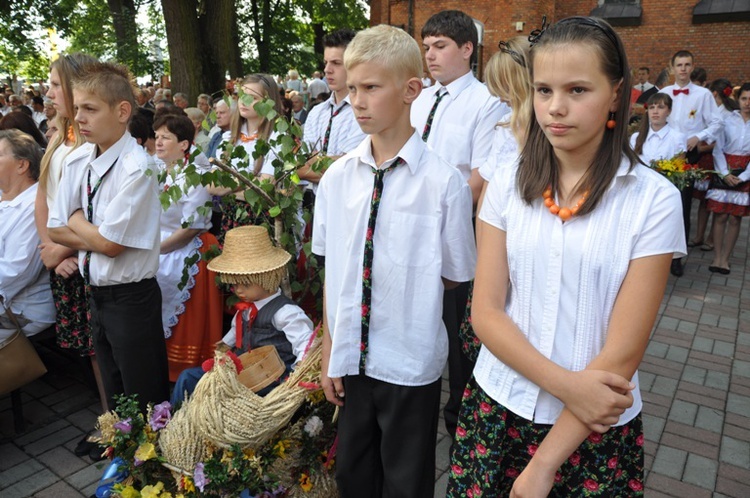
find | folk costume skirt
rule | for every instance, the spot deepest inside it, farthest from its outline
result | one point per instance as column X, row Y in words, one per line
column 700, row 187
column 493, row 446
column 723, row 199
column 199, row 326
column 72, row 329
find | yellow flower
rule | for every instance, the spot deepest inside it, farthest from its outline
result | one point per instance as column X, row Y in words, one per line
column 165, row 494
column 280, row 448
column 248, row 454
column 146, row 451
column 130, row 492
column 305, row 483
column 152, row 491
column 187, row 485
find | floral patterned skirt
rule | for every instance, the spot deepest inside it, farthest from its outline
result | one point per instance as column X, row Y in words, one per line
column 235, row 213
column 470, row 343
column 493, row 446
column 71, row 303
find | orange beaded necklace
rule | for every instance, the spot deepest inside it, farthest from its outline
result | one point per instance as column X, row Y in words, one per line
column 564, row 213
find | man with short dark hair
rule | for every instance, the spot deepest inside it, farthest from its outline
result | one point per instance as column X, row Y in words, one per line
column 642, row 76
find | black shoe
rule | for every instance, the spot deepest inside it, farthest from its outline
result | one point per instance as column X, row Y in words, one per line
column 84, row 446
column 96, row 453
column 677, row 270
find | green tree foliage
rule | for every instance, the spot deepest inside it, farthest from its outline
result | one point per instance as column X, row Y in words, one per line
column 277, row 35
column 22, row 30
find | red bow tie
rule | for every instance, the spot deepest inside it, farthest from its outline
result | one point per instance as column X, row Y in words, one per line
column 240, row 307
column 686, row 91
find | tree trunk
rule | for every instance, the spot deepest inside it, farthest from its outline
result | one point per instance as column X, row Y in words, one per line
column 186, row 50
column 126, row 32
column 219, row 28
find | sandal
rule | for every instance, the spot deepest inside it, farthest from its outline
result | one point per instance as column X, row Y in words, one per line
column 694, row 243
column 707, row 247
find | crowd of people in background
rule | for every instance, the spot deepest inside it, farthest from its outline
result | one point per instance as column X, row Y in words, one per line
column 532, row 168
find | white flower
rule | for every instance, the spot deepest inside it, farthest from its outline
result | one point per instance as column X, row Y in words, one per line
column 313, row 426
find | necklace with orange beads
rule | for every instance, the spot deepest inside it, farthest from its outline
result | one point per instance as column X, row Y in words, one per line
column 564, row 213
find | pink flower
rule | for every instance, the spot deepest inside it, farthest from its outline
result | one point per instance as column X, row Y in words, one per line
column 625, row 430
column 365, row 310
column 511, row 472
column 618, row 473
column 470, row 493
column 513, row 432
column 481, row 449
column 595, row 437
column 558, row 477
column 639, row 440
column 635, row 485
column 574, row 459
column 361, row 346
column 457, row 470
column 369, row 234
column 485, row 407
column 532, row 449
column 476, row 489
column 467, row 393
column 160, row 416
column 612, row 463
column 591, row 485
column 460, row 432
column 366, row 273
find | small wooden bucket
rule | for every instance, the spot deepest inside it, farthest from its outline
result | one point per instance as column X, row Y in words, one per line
column 260, row 367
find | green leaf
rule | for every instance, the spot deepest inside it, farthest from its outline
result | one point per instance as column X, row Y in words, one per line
column 274, row 211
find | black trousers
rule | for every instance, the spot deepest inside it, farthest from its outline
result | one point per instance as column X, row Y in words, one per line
column 387, row 438
column 687, row 200
column 129, row 341
column 460, row 367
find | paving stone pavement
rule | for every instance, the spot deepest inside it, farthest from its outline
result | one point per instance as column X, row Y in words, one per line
column 695, row 380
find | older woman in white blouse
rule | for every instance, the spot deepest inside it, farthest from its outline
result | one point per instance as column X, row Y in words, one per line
column 24, row 283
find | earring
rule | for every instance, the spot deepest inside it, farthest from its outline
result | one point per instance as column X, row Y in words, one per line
column 611, row 123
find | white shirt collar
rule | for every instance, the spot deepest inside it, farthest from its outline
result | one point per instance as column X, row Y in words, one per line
column 456, row 86
column 101, row 164
column 17, row 200
column 411, row 153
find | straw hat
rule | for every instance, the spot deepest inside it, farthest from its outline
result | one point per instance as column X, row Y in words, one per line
column 249, row 257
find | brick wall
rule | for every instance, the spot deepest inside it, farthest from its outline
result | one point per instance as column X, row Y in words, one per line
column 666, row 26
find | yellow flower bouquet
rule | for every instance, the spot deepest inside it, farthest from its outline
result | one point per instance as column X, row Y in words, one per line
column 678, row 171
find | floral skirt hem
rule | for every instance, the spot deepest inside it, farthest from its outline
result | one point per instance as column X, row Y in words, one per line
column 493, row 446
column 72, row 329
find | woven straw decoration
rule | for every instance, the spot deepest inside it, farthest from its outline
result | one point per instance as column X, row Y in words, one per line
column 181, row 443
column 225, row 412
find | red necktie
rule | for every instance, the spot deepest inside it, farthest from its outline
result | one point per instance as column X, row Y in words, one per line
column 676, row 92
column 241, row 307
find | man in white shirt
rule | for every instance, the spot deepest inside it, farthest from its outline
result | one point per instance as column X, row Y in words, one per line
column 331, row 128
column 643, row 84
column 456, row 117
column 316, row 86
column 695, row 115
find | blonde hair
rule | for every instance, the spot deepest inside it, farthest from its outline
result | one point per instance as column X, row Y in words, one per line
column 195, row 114
column 108, row 81
column 507, row 77
column 390, row 47
column 270, row 91
column 68, row 67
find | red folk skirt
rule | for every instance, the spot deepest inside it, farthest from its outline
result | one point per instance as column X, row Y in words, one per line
column 724, row 199
column 200, row 326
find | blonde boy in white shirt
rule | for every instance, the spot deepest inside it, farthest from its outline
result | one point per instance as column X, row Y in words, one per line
column 384, row 342
column 108, row 208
